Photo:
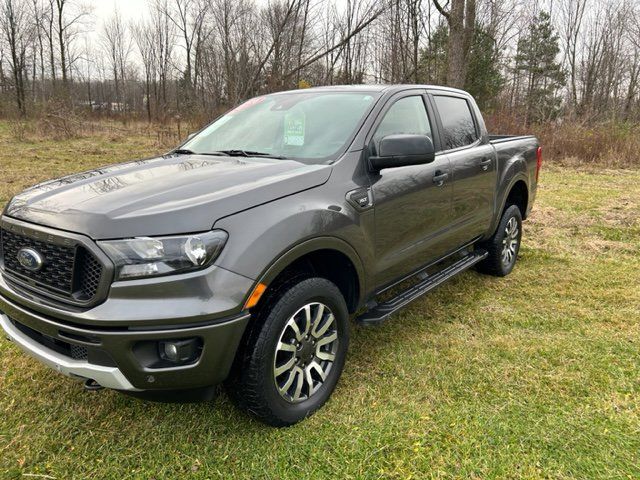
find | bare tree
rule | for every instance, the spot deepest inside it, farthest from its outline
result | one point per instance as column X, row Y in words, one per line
column 62, row 45
column 196, row 56
column 16, row 29
column 188, row 17
column 364, row 16
column 117, row 44
column 572, row 13
column 69, row 17
column 143, row 33
column 234, row 48
column 607, row 58
column 163, row 40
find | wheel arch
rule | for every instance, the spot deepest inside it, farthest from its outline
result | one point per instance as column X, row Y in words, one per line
column 327, row 257
column 519, row 179
column 518, row 195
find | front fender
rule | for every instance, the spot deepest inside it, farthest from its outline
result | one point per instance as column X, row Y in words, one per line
column 313, row 245
column 264, row 240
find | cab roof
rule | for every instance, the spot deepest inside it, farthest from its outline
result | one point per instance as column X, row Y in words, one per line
column 373, row 88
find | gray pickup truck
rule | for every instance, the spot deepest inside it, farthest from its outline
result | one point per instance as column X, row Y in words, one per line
column 242, row 255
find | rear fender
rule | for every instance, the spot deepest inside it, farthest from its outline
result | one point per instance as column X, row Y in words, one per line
column 514, row 171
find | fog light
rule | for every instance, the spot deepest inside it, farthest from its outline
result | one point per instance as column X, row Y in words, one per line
column 180, row 351
column 171, row 351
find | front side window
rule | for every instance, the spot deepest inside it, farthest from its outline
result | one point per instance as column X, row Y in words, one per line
column 407, row 116
column 312, row 127
column 457, row 121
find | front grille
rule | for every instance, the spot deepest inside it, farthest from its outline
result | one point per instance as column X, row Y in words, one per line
column 78, row 352
column 57, row 271
column 70, row 272
column 90, row 273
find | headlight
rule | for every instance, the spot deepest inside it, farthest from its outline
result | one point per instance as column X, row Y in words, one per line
column 152, row 257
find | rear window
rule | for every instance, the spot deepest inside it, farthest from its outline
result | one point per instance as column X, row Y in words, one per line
column 457, row 121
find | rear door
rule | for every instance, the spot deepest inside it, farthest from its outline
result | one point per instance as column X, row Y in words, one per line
column 473, row 165
column 412, row 203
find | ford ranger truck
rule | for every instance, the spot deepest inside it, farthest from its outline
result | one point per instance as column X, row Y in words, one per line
column 244, row 255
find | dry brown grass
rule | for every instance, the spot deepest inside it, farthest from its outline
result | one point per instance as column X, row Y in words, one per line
column 574, row 143
column 70, row 126
column 567, row 143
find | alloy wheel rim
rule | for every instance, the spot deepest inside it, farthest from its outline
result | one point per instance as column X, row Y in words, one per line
column 305, row 352
column 510, row 241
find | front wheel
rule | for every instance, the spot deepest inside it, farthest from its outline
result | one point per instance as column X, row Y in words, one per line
column 294, row 355
column 504, row 245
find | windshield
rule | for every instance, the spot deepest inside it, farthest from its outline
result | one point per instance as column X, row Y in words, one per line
column 312, row 127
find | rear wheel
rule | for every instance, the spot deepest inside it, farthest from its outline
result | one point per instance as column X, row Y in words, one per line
column 504, row 245
column 294, row 353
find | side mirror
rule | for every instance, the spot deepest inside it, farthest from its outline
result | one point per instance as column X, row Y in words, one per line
column 191, row 135
column 402, row 150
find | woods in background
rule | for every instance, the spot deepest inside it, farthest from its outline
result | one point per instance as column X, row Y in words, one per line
column 532, row 60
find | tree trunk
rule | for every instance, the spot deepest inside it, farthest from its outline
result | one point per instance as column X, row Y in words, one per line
column 461, row 19
column 455, row 50
column 62, row 44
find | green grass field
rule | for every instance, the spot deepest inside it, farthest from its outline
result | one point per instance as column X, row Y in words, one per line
column 536, row 375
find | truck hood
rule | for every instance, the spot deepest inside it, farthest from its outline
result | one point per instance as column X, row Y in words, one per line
column 163, row 195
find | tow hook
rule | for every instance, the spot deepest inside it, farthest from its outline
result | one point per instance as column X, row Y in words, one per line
column 92, row 386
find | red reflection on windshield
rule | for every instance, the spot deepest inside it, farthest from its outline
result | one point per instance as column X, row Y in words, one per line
column 248, row 104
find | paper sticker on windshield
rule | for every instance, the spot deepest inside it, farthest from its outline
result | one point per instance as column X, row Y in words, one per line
column 294, row 128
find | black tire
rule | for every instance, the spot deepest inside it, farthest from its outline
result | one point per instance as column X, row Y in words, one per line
column 252, row 383
column 495, row 264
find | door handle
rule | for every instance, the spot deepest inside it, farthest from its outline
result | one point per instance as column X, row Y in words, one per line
column 485, row 162
column 440, row 177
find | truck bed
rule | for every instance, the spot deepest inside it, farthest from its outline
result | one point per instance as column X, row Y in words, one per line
column 506, row 138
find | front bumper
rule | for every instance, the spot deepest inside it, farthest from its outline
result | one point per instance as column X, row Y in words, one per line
column 113, row 360
column 115, row 339
column 109, row 377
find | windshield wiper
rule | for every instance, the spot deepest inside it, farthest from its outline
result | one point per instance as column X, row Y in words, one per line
column 250, row 153
column 229, row 153
column 186, row 151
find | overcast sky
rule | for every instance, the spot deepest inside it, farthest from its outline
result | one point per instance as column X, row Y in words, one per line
column 130, row 9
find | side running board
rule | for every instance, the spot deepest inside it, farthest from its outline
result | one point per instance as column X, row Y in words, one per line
column 382, row 311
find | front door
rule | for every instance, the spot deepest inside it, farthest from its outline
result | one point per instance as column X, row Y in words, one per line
column 412, row 204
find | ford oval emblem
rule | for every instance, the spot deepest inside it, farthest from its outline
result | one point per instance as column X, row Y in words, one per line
column 30, row 259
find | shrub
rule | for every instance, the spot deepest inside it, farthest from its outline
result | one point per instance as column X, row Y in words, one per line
column 611, row 144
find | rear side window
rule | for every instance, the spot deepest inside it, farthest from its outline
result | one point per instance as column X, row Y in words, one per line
column 457, row 121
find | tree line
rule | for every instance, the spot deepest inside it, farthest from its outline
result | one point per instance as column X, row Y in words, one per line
column 536, row 60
